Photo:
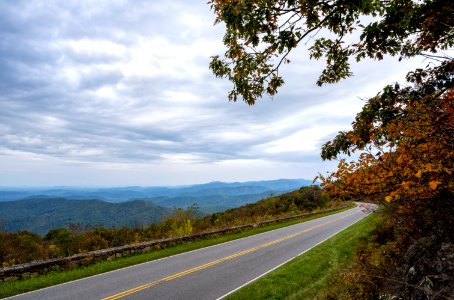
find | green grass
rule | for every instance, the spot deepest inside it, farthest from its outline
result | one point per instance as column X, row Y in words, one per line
column 25, row 285
column 309, row 276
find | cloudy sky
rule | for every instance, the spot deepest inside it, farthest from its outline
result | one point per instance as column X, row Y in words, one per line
column 108, row 93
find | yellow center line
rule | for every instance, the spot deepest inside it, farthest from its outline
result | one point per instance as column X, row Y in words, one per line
column 218, row 261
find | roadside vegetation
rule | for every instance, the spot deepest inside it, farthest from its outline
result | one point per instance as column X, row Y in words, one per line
column 56, row 277
column 22, row 247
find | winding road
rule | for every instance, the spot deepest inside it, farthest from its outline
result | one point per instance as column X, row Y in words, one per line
column 207, row 273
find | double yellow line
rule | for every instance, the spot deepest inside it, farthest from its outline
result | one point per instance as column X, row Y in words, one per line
column 218, row 261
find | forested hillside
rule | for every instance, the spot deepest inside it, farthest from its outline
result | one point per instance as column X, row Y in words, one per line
column 25, row 246
column 42, row 215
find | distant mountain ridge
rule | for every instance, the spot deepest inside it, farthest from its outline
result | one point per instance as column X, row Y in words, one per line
column 122, row 194
column 39, row 210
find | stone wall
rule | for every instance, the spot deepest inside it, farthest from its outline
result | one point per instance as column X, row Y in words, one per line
column 36, row 268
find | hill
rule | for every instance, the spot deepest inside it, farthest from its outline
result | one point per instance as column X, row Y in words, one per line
column 42, row 214
column 211, row 203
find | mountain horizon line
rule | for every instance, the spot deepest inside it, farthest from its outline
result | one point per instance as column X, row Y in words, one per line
column 141, row 186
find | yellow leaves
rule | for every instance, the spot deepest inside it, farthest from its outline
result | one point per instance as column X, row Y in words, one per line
column 429, row 167
column 406, row 185
column 400, row 160
column 433, row 184
column 418, row 174
column 392, row 196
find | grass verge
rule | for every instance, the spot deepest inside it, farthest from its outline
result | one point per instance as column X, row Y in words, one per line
column 21, row 286
column 309, row 275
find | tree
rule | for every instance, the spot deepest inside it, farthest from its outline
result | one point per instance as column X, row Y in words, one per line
column 60, row 237
column 403, row 137
column 181, row 222
column 261, row 33
column 406, row 136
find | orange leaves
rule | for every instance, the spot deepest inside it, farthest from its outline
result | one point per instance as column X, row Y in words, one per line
column 354, row 138
column 415, row 163
column 406, row 185
column 392, row 127
column 392, row 196
column 429, row 167
column 433, row 184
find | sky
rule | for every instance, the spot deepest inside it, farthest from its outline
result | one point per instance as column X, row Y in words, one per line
column 117, row 93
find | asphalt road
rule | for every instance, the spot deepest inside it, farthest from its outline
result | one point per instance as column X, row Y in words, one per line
column 208, row 273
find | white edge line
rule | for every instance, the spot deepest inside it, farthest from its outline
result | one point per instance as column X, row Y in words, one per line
column 168, row 257
column 280, row 265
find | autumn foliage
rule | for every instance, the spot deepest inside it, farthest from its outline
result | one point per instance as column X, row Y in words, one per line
column 403, row 144
column 405, row 137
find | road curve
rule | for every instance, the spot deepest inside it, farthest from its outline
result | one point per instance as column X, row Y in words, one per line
column 207, row 273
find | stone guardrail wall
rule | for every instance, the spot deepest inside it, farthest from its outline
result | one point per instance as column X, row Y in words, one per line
column 36, row 268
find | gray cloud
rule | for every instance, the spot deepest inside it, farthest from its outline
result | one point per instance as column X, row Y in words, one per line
column 121, row 89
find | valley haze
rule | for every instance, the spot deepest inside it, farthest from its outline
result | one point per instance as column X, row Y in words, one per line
column 44, row 208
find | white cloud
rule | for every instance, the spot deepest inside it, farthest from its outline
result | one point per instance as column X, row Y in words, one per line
column 119, row 93
column 96, row 47
column 234, row 136
column 302, row 141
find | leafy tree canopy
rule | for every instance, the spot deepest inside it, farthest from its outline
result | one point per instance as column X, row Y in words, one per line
column 261, row 33
column 406, row 139
column 403, row 137
column 405, row 134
